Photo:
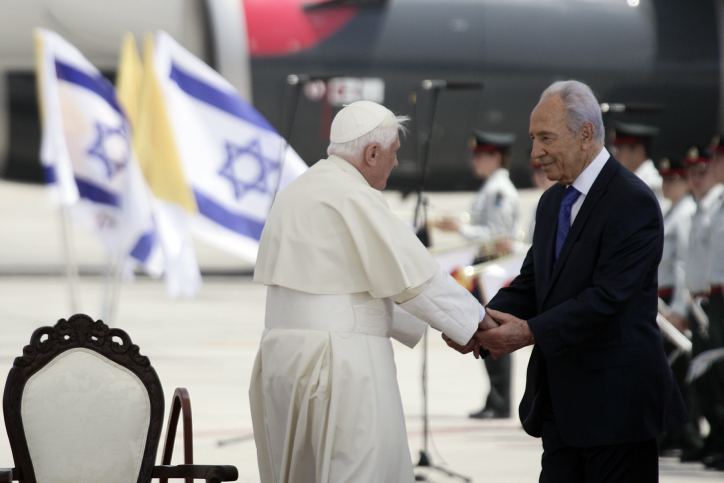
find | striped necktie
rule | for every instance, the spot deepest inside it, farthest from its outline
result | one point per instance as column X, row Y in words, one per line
column 564, row 217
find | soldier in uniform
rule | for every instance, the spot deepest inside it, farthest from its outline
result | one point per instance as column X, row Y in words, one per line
column 672, row 290
column 632, row 147
column 707, row 192
column 494, row 216
column 715, row 309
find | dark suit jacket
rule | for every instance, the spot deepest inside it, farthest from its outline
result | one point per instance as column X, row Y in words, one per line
column 598, row 348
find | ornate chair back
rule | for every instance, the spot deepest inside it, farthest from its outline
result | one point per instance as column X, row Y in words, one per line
column 83, row 405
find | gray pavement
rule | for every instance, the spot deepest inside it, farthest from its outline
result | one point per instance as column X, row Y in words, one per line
column 207, row 344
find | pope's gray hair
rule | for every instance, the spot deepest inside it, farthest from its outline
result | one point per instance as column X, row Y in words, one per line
column 581, row 106
column 384, row 135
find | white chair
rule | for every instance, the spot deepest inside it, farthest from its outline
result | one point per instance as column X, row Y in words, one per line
column 83, row 405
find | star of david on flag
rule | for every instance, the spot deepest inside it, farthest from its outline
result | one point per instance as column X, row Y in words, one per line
column 211, row 121
column 248, row 169
column 86, row 154
column 111, row 147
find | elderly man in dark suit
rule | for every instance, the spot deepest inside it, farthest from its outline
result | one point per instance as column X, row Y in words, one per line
column 599, row 389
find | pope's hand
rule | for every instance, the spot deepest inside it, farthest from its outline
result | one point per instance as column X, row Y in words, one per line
column 488, row 323
column 512, row 334
column 473, row 344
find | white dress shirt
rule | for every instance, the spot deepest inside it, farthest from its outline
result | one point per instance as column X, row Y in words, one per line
column 585, row 180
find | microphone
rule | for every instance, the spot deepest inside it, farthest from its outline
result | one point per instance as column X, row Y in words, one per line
column 632, row 107
column 429, row 84
column 295, row 79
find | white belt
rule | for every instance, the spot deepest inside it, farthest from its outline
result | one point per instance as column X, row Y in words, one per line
column 357, row 312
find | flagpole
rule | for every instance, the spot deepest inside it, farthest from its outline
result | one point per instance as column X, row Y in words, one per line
column 111, row 290
column 115, row 292
column 71, row 265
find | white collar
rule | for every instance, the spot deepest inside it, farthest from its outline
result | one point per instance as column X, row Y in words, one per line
column 499, row 173
column 711, row 197
column 647, row 165
column 586, row 179
column 348, row 168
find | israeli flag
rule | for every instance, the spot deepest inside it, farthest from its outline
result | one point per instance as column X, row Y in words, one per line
column 87, row 155
column 233, row 160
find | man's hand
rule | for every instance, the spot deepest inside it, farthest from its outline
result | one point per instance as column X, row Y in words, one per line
column 448, row 224
column 512, row 334
column 681, row 323
column 473, row 344
column 503, row 246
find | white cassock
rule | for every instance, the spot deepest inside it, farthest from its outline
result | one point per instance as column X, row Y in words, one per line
column 324, row 397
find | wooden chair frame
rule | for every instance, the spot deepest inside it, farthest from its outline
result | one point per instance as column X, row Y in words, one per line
column 80, row 331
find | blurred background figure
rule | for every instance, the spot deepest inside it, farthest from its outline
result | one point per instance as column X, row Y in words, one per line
column 632, row 146
column 707, row 192
column 494, row 217
column 496, row 208
column 672, row 290
column 715, row 309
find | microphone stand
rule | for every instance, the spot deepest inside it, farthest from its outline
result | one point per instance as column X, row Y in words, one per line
column 420, row 223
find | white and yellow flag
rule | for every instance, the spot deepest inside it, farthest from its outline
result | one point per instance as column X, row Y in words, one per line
column 173, row 202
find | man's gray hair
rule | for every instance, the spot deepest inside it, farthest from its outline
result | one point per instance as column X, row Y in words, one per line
column 581, row 106
column 384, row 135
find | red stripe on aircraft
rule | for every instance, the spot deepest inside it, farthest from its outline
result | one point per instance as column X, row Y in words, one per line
column 283, row 27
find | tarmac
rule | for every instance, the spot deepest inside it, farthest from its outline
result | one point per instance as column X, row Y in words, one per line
column 207, row 344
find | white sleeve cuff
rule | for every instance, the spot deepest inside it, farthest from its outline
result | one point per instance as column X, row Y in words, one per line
column 406, row 328
column 448, row 307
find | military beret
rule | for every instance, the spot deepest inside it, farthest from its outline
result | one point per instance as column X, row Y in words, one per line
column 717, row 144
column 490, row 141
column 625, row 133
column 672, row 165
column 697, row 155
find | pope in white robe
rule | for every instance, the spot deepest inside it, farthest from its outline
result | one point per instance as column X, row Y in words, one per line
column 344, row 274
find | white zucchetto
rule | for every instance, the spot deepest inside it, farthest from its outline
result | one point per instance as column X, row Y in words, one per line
column 357, row 119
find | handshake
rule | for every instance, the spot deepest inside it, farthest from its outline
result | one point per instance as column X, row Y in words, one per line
column 499, row 333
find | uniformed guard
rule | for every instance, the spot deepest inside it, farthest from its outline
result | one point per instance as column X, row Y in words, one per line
column 715, row 309
column 707, row 192
column 632, row 145
column 494, row 216
column 672, row 290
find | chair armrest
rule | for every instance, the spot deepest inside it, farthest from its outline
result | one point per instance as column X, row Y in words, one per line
column 7, row 475
column 180, row 405
column 211, row 473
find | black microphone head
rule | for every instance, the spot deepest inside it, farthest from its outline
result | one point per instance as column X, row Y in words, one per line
column 451, row 84
column 464, row 85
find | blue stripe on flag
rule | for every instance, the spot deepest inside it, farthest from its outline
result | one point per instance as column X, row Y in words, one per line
column 49, row 173
column 233, row 104
column 86, row 189
column 95, row 193
column 97, row 84
column 232, row 221
column 143, row 248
